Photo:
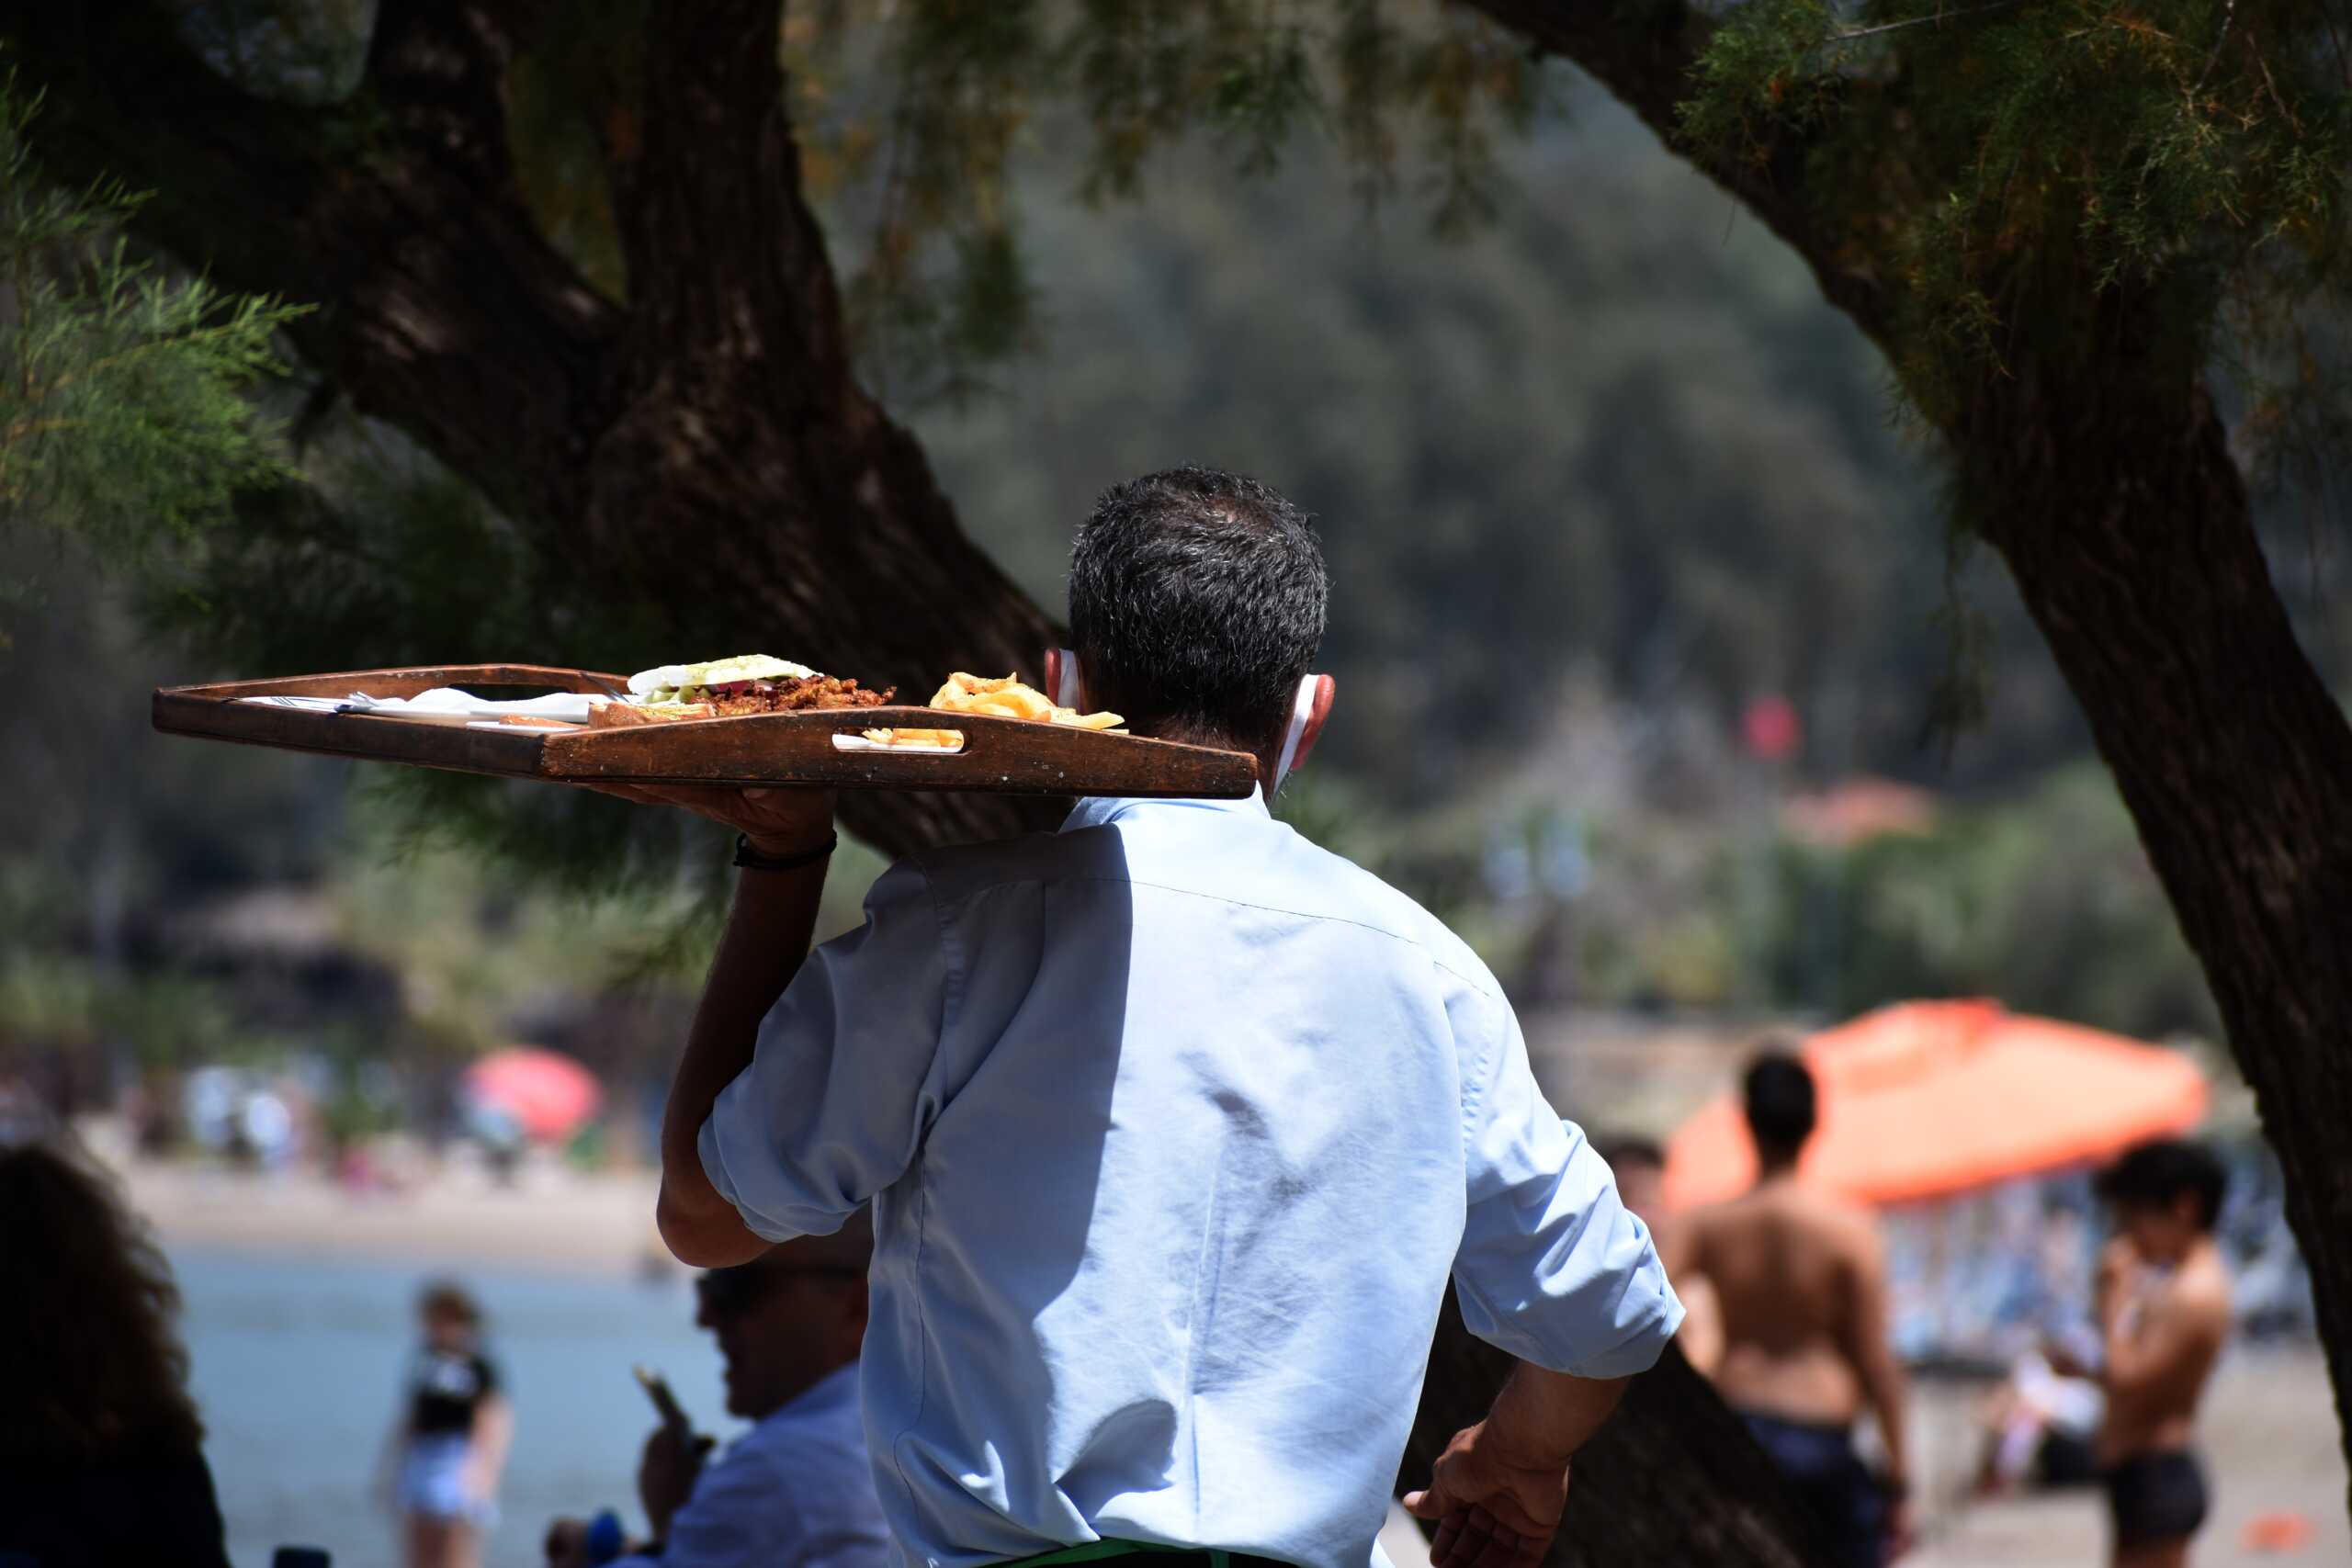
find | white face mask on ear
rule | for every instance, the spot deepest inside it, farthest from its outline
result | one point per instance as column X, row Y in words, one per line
column 1067, row 690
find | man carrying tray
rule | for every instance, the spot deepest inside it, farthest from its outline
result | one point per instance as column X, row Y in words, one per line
column 1174, row 1126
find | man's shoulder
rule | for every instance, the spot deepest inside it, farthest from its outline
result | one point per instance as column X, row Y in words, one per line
column 2203, row 1292
column 1278, row 868
column 1332, row 887
column 956, row 872
column 1796, row 1211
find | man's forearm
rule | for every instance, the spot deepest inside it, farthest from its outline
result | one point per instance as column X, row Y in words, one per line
column 1542, row 1417
column 768, row 937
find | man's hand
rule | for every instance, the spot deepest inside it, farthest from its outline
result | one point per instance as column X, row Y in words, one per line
column 1902, row 1530
column 780, row 821
column 1492, row 1508
column 665, row 1475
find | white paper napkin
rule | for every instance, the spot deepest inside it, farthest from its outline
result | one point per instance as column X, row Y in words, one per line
column 444, row 704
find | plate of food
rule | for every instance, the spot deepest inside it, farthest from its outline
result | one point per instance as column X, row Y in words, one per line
column 750, row 719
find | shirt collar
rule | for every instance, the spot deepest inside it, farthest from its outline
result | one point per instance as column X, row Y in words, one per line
column 1096, row 810
column 834, row 1388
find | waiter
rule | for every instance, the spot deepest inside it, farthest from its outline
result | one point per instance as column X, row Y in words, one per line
column 1173, row 1125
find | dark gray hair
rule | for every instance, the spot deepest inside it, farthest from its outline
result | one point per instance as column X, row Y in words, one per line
column 1196, row 601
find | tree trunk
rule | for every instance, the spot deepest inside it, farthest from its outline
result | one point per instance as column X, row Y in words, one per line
column 2110, row 491
column 2125, row 521
column 698, row 459
column 1673, row 1479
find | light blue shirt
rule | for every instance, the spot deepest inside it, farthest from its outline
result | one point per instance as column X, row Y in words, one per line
column 797, row 1491
column 1174, row 1126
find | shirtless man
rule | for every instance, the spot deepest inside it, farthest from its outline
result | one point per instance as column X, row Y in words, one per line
column 1800, row 1282
column 2163, row 1303
column 1639, row 1166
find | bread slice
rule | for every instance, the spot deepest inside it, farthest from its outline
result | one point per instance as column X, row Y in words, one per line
column 620, row 715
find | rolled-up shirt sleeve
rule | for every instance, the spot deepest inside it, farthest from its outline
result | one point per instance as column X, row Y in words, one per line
column 1553, row 1268
column 833, row 1106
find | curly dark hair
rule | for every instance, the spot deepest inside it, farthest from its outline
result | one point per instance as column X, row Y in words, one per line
column 95, row 1368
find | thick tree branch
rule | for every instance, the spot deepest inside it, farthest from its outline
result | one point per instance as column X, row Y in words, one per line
column 709, row 173
column 438, row 69
column 444, row 310
column 1645, row 51
column 699, row 472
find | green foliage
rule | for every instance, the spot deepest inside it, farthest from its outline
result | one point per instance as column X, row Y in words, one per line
column 2046, row 902
column 2000, row 167
column 919, row 121
column 124, row 418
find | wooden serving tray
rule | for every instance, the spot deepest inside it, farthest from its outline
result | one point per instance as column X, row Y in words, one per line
column 1003, row 755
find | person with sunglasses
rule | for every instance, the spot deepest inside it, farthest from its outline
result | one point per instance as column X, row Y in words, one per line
column 797, row 1491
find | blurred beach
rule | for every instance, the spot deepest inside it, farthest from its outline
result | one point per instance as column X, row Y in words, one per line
column 298, row 1318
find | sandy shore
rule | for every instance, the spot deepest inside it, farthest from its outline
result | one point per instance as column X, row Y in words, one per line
column 549, row 1220
column 2269, row 1435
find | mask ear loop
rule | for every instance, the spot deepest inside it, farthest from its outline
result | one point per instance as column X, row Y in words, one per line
column 1065, row 685
column 1302, row 709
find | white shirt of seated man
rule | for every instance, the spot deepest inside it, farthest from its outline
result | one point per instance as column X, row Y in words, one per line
column 797, row 1491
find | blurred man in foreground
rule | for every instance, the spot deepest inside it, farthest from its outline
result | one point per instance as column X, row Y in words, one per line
column 797, row 1491
column 2163, row 1303
column 1639, row 1166
column 1800, row 1281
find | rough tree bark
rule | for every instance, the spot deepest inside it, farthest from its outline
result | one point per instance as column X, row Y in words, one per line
column 2110, row 493
column 713, row 415
column 715, row 406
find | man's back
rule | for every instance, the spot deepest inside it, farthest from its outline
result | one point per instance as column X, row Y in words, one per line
column 1175, row 1124
column 1790, row 1269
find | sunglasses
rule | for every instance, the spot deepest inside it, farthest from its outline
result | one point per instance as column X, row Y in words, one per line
column 724, row 1291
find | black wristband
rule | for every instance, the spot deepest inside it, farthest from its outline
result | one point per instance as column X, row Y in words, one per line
column 752, row 859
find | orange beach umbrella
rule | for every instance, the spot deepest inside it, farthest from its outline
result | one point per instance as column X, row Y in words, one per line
column 1927, row 1099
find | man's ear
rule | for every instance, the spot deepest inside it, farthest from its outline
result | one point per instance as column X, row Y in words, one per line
column 1326, row 692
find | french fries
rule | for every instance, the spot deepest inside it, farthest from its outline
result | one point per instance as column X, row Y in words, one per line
column 1007, row 697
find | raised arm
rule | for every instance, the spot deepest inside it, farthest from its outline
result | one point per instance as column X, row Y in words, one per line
column 2157, row 1356
column 767, row 936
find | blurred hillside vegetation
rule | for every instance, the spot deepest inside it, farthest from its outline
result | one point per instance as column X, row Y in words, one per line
column 1597, row 472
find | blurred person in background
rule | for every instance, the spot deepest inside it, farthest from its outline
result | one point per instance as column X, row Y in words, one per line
column 2037, row 1427
column 1800, row 1283
column 101, row 1453
column 449, row 1442
column 2162, row 1299
column 797, row 1491
column 1639, row 1165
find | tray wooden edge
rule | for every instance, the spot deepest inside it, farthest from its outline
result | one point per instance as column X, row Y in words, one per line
column 1040, row 760
column 396, row 681
column 1001, row 755
column 504, row 753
